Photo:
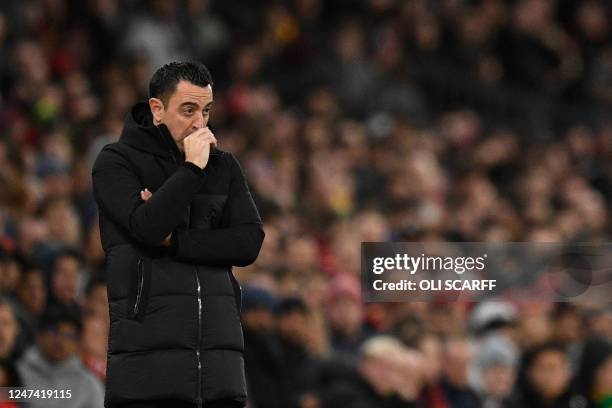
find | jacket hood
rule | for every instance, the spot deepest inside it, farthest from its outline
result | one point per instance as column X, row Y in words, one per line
column 140, row 133
column 36, row 362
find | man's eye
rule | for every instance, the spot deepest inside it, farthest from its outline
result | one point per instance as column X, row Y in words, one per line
column 189, row 111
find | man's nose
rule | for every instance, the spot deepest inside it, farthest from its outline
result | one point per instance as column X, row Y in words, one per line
column 199, row 121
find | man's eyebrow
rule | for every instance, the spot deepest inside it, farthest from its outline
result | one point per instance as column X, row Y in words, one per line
column 189, row 104
column 195, row 105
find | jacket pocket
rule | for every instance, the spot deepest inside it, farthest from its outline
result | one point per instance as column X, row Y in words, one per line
column 140, row 292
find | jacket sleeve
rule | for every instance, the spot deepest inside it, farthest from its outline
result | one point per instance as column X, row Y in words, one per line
column 237, row 244
column 116, row 189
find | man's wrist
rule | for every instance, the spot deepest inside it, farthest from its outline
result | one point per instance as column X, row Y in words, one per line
column 197, row 163
column 194, row 167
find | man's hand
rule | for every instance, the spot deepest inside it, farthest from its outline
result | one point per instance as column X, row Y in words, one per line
column 145, row 195
column 197, row 146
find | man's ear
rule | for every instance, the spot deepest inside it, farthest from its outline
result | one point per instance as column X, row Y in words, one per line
column 157, row 110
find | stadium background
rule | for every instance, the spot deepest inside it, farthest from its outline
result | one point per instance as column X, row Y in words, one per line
column 355, row 120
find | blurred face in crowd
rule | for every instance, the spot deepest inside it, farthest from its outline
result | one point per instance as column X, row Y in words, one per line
column 550, row 374
column 458, row 355
column 345, row 315
column 533, row 329
column 303, row 254
column 66, row 279
column 499, row 380
column 446, row 319
column 431, row 350
column 9, row 275
column 406, row 372
column 8, row 331
column 95, row 336
column 186, row 110
column 96, row 303
column 601, row 324
column 291, row 326
column 259, row 319
column 31, row 292
column 59, row 343
column 57, row 185
column 4, row 378
column 62, row 222
column 568, row 328
column 375, row 369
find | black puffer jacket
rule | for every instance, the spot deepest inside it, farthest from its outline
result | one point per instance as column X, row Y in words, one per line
column 175, row 329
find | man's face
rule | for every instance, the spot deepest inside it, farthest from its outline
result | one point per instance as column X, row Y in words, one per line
column 458, row 356
column 187, row 110
column 8, row 331
column 292, row 326
column 550, row 374
column 66, row 278
column 32, row 292
column 59, row 343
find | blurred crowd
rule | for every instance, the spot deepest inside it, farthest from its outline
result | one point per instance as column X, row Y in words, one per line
column 354, row 120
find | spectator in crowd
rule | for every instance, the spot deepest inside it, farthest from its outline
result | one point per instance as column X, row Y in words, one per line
column 268, row 385
column 53, row 362
column 545, row 378
column 93, row 345
column 567, row 324
column 457, row 354
column 431, row 393
column 494, row 370
column 96, row 303
column 294, row 330
column 9, row 330
column 594, row 375
column 66, row 280
column 387, row 376
column 32, row 297
column 9, row 273
column 599, row 322
column 344, row 312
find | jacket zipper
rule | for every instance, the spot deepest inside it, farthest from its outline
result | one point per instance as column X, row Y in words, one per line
column 199, row 401
column 140, row 286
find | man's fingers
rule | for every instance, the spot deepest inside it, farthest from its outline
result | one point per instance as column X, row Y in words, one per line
column 202, row 132
column 145, row 194
column 212, row 140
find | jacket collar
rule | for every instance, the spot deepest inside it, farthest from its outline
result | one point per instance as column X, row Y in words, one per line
column 140, row 133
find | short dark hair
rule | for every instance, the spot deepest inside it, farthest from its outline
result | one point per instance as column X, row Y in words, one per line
column 69, row 252
column 291, row 304
column 56, row 314
column 530, row 356
column 165, row 79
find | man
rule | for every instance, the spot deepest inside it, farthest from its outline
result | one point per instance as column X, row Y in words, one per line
column 9, row 329
column 66, row 277
column 544, row 379
column 387, row 375
column 175, row 216
column 457, row 355
column 53, row 364
column 266, row 379
column 31, row 296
